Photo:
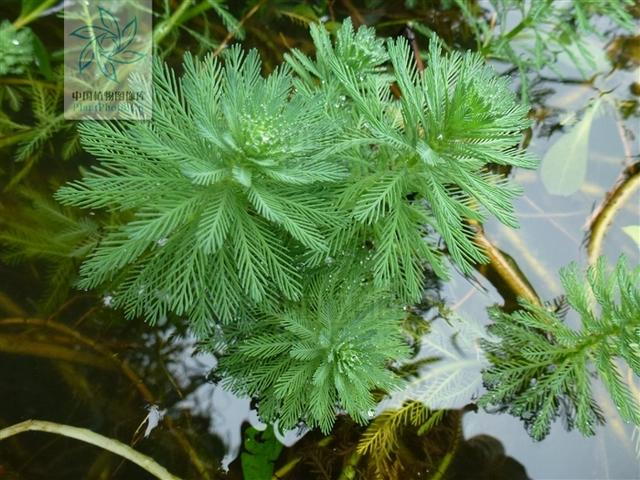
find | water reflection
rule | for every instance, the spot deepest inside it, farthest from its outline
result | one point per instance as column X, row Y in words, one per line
column 552, row 233
column 151, row 385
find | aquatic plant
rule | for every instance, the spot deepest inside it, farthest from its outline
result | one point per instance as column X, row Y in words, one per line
column 360, row 51
column 544, row 31
column 261, row 451
column 252, row 190
column 229, row 186
column 242, row 186
column 41, row 229
column 419, row 164
column 383, row 437
column 16, row 48
column 542, row 367
column 296, row 239
column 326, row 353
column 34, row 136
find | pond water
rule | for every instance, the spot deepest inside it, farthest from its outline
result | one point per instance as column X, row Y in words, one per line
column 149, row 386
column 553, row 232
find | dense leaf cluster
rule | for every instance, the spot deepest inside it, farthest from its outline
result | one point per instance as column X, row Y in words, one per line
column 322, row 355
column 542, row 367
column 228, row 187
column 16, row 48
column 235, row 175
column 242, row 187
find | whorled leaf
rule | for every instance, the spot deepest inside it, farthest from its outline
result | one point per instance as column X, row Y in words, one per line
column 318, row 357
column 16, row 48
column 541, row 368
column 228, row 187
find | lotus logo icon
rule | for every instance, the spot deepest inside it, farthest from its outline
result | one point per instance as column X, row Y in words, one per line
column 108, row 45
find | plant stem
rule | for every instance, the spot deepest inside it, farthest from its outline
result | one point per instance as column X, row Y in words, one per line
column 17, row 344
column 163, row 28
column 87, row 436
column 230, row 35
column 524, row 23
column 287, row 467
column 349, row 470
column 21, row 21
column 26, row 81
column 443, row 466
column 504, row 268
column 10, row 307
column 605, row 214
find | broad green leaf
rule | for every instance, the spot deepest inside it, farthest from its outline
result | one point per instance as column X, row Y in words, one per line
column 261, row 453
column 634, row 232
column 564, row 166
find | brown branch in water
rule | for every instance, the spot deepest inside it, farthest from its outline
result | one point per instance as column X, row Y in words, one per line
column 503, row 269
column 243, row 20
column 70, row 332
column 603, row 216
column 411, row 36
column 17, row 344
column 8, row 306
column 67, row 304
column 354, row 13
column 332, row 13
column 622, row 132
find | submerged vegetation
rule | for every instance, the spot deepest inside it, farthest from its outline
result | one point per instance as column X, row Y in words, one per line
column 539, row 364
column 293, row 210
column 16, row 47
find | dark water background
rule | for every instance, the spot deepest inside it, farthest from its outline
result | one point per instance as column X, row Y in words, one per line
column 141, row 373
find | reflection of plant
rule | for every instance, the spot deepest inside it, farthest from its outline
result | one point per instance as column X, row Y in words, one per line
column 108, row 45
column 541, row 366
column 450, row 360
column 319, row 356
column 16, row 48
